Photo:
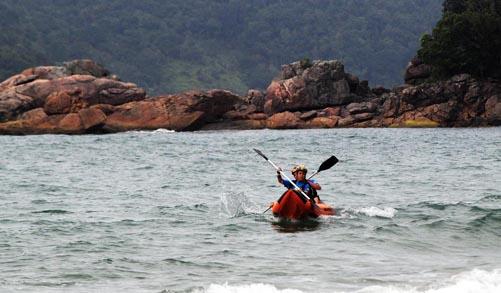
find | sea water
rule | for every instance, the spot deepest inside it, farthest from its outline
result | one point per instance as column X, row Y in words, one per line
column 418, row 210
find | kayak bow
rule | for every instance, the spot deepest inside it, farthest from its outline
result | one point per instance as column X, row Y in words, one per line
column 294, row 207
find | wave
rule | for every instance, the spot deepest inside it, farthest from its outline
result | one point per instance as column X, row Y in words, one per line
column 487, row 219
column 465, row 214
column 386, row 212
column 468, row 282
column 54, row 211
column 438, row 205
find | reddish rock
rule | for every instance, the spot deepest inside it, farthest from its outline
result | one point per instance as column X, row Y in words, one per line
column 91, row 117
column 258, row 116
column 70, row 123
column 84, row 90
column 332, row 111
column 58, row 103
column 324, row 122
column 105, row 108
column 344, row 122
column 284, row 120
column 34, row 115
column 183, row 112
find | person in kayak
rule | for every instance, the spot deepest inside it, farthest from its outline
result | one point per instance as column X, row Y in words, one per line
column 309, row 187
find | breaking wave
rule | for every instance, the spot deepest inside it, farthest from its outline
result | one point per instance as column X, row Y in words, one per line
column 467, row 282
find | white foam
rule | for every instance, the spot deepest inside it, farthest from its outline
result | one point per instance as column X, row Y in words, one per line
column 251, row 288
column 156, row 131
column 163, row 130
column 468, row 282
column 386, row 212
column 474, row 281
column 340, row 214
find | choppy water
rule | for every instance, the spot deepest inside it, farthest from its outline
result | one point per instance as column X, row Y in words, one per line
column 418, row 211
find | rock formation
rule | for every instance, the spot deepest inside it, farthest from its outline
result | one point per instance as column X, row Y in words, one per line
column 82, row 97
column 323, row 95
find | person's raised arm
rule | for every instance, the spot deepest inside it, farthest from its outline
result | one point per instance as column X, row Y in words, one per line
column 315, row 185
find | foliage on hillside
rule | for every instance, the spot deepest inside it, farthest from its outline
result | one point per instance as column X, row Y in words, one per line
column 169, row 46
column 466, row 40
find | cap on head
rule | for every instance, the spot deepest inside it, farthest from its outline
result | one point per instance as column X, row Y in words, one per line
column 300, row 167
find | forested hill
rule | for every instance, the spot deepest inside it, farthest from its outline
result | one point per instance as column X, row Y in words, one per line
column 169, row 46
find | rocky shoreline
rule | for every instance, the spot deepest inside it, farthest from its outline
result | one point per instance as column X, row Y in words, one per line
column 82, row 97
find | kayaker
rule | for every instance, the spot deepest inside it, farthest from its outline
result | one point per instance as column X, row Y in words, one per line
column 308, row 186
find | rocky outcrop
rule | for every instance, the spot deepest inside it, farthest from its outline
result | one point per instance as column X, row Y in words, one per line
column 65, row 95
column 187, row 111
column 458, row 102
column 83, row 97
column 312, row 86
column 297, row 98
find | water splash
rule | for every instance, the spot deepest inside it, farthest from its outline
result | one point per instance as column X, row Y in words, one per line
column 237, row 205
column 386, row 212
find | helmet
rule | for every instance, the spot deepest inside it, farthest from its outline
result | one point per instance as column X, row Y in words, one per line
column 300, row 167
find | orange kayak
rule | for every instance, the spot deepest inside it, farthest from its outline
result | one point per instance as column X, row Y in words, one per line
column 293, row 206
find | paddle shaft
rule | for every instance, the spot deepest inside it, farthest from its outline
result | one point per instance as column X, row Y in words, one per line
column 314, row 173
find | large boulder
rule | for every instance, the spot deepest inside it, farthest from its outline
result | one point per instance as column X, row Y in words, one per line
column 65, row 94
column 63, row 89
column 284, row 120
column 317, row 85
column 182, row 112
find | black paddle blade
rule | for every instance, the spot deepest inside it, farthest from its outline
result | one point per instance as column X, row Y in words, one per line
column 260, row 153
column 327, row 164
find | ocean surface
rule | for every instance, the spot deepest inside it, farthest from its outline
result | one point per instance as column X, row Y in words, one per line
column 418, row 210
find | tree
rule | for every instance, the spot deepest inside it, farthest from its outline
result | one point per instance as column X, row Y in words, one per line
column 466, row 40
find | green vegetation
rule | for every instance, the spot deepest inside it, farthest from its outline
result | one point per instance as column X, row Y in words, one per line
column 466, row 40
column 168, row 46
